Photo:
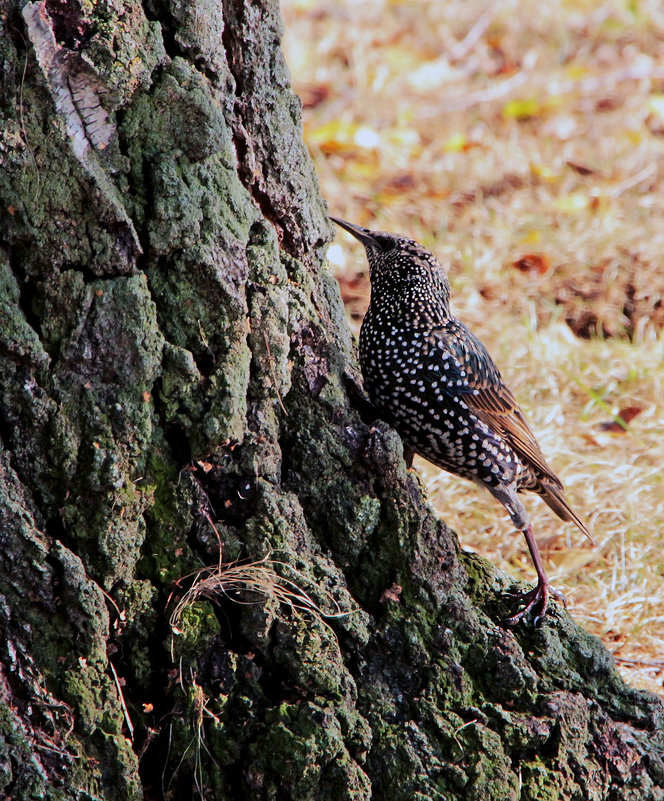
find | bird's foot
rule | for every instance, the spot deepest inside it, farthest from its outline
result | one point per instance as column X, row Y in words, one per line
column 538, row 599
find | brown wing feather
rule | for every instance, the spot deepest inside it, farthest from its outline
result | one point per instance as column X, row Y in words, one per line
column 503, row 415
column 490, row 399
column 494, row 404
column 555, row 499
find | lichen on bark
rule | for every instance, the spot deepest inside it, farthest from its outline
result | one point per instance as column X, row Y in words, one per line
column 175, row 372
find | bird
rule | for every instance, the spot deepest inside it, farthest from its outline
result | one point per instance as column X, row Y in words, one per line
column 435, row 382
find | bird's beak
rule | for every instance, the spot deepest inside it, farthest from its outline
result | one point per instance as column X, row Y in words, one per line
column 362, row 234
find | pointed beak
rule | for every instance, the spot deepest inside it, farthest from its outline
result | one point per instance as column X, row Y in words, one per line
column 362, row 234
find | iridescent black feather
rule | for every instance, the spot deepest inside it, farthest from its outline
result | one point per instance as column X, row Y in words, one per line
column 433, row 379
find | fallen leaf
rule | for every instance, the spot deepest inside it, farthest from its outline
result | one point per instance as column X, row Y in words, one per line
column 400, row 183
column 340, row 135
column 619, row 424
column 393, row 593
column 531, row 238
column 522, row 109
column 543, row 171
column 532, row 262
column 575, row 201
column 607, row 104
column 353, row 287
column 581, row 169
column 313, row 96
column 457, row 143
column 577, row 71
column 404, row 137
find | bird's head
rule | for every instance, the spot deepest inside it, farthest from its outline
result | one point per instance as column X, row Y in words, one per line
column 398, row 264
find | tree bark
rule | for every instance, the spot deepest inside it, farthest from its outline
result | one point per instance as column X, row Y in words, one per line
column 178, row 386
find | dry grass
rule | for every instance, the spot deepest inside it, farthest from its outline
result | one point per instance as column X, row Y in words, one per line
column 493, row 132
column 251, row 583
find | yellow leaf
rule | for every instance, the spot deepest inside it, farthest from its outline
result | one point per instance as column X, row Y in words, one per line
column 342, row 135
column 333, row 132
column 576, row 71
column 404, row 137
column 522, row 109
column 570, row 204
column 400, row 59
column 367, row 170
column 531, row 238
column 456, row 143
column 405, row 117
column 543, row 172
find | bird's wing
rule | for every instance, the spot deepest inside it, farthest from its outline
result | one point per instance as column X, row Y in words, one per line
column 473, row 375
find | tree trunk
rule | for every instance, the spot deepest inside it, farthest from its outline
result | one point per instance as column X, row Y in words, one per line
column 178, row 387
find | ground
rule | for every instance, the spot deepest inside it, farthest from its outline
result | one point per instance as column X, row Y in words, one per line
column 523, row 142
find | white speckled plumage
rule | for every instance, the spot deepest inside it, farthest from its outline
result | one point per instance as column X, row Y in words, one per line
column 433, row 379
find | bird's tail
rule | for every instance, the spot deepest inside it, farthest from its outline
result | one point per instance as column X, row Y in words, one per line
column 555, row 499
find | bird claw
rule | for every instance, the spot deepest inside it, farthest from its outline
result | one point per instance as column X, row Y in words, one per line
column 537, row 597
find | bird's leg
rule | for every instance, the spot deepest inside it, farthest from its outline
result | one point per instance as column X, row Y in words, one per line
column 539, row 595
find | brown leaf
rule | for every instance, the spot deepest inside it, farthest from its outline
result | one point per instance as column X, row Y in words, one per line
column 399, row 183
column 625, row 415
column 629, row 413
column 532, row 262
column 393, row 593
column 581, row 169
column 353, row 287
column 313, row 96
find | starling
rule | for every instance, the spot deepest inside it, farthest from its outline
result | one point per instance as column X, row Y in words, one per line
column 435, row 382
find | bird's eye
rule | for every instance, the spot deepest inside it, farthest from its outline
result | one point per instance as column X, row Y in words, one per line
column 387, row 243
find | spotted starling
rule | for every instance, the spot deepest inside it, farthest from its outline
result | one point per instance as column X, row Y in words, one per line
column 435, row 382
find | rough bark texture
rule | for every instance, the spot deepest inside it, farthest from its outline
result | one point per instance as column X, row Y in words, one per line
column 163, row 301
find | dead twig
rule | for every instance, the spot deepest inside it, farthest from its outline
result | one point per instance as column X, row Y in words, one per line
column 130, row 725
